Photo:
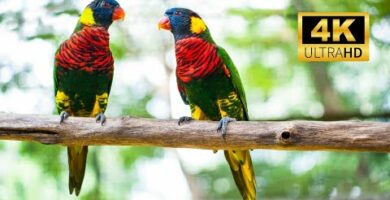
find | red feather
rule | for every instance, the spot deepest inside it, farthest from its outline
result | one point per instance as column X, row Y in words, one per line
column 86, row 50
column 196, row 58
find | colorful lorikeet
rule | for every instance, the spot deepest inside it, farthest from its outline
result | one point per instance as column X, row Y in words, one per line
column 83, row 73
column 210, row 84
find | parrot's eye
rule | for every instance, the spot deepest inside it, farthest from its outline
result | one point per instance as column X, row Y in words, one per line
column 105, row 5
column 177, row 13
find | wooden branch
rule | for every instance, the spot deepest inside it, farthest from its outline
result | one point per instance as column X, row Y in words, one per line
column 293, row 135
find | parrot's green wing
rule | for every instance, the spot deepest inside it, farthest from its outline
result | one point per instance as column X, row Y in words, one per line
column 182, row 91
column 234, row 77
column 55, row 75
column 239, row 161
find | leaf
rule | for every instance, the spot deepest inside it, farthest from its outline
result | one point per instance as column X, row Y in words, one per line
column 44, row 36
column 72, row 12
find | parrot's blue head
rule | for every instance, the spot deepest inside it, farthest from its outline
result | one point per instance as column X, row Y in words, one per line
column 182, row 22
column 102, row 13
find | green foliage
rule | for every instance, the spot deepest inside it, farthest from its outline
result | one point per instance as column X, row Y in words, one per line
column 130, row 155
column 258, row 76
column 17, row 80
column 122, row 46
column 48, row 157
column 73, row 12
column 338, row 171
column 136, row 106
column 62, row 7
column 218, row 183
column 251, row 14
column 43, row 36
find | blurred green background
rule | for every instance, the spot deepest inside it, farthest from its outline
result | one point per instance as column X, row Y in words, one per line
column 261, row 38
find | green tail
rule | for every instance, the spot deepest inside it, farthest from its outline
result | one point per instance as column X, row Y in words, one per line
column 77, row 158
column 240, row 163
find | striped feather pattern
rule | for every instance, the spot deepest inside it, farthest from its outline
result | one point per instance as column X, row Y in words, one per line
column 196, row 58
column 87, row 50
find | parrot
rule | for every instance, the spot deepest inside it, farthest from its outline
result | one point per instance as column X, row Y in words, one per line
column 209, row 83
column 83, row 73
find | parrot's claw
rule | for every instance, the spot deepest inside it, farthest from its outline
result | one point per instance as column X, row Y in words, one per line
column 183, row 120
column 63, row 116
column 101, row 118
column 222, row 125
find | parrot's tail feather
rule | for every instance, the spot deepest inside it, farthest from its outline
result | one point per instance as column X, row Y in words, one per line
column 77, row 157
column 240, row 163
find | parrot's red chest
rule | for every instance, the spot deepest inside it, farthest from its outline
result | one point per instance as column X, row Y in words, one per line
column 196, row 58
column 86, row 50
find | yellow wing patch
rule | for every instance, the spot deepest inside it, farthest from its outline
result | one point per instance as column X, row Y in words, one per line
column 197, row 25
column 87, row 17
column 197, row 113
column 62, row 100
column 230, row 103
column 100, row 104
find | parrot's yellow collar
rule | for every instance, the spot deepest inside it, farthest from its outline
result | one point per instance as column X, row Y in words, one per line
column 197, row 25
column 87, row 18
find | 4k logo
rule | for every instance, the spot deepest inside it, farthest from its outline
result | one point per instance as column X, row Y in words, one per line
column 331, row 36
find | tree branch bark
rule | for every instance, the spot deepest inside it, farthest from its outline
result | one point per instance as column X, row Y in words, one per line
column 290, row 135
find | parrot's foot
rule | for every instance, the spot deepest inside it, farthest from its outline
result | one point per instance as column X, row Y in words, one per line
column 183, row 120
column 63, row 116
column 101, row 118
column 222, row 125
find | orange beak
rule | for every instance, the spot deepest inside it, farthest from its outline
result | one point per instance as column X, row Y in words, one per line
column 164, row 23
column 119, row 14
